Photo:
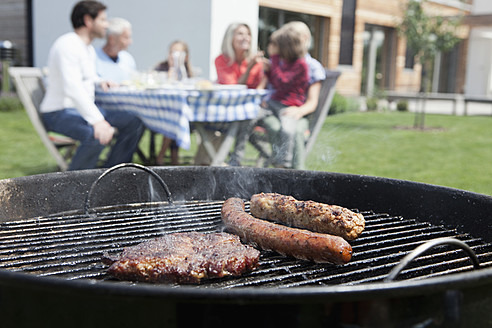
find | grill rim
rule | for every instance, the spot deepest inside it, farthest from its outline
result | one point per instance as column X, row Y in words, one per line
column 19, row 191
column 33, row 192
column 334, row 293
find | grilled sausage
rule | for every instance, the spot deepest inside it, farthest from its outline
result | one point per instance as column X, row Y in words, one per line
column 299, row 243
column 319, row 217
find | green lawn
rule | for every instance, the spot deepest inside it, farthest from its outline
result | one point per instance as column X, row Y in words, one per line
column 454, row 151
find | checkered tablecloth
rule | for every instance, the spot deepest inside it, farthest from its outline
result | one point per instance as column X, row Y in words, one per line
column 170, row 111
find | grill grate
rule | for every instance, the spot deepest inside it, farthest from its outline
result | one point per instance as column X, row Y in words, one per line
column 70, row 246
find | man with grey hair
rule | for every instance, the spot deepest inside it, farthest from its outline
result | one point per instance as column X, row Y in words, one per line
column 114, row 63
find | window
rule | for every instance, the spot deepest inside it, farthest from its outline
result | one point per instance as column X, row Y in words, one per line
column 271, row 19
column 347, row 33
column 409, row 58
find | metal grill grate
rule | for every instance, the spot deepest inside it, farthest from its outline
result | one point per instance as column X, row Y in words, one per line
column 70, row 246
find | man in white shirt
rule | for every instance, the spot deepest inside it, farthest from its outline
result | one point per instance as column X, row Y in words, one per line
column 68, row 106
column 114, row 63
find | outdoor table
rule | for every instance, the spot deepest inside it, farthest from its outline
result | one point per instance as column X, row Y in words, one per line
column 169, row 110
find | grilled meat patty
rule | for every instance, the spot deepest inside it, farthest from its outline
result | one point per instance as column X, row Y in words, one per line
column 185, row 258
column 319, row 217
column 298, row 243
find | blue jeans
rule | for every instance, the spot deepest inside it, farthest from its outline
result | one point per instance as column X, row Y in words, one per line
column 69, row 123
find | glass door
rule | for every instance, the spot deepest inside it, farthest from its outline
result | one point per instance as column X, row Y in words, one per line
column 378, row 59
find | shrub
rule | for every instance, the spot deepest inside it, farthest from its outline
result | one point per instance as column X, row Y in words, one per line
column 341, row 104
column 10, row 103
column 372, row 103
column 402, row 106
column 338, row 105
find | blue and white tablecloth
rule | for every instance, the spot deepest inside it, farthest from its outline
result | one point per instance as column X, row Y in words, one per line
column 170, row 111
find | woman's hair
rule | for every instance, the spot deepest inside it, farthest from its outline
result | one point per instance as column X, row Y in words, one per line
column 289, row 44
column 82, row 8
column 304, row 30
column 117, row 26
column 227, row 48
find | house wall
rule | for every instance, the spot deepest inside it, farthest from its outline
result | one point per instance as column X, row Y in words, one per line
column 479, row 61
column 14, row 27
column 482, row 7
column 478, row 81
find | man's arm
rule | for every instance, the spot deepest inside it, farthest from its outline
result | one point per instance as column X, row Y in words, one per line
column 103, row 132
column 76, row 89
column 74, row 86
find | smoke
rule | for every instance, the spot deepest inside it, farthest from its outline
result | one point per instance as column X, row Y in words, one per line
column 245, row 182
column 328, row 155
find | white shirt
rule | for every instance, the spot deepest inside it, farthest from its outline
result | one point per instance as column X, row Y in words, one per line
column 118, row 71
column 316, row 70
column 71, row 78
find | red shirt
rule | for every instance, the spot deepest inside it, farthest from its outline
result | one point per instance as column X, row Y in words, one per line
column 290, row 81
column 230, row 73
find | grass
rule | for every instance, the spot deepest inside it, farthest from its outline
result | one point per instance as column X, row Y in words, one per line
column 454, row 151
column 21, row 150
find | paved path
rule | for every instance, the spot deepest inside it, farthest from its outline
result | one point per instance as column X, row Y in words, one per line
column 446, row 107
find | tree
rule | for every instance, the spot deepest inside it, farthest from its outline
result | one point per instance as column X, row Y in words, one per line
column 427, row 36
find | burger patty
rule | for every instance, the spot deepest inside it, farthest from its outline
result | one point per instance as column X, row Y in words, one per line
column 185, row 258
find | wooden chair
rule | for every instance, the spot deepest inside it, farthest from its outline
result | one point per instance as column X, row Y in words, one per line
column 316, row 120
column 29, row 85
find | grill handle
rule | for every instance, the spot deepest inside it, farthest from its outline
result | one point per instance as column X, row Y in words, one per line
column 425, row 247
column 119, row 166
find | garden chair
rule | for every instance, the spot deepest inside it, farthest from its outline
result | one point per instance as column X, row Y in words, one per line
column 316, row 120
column 30, row 89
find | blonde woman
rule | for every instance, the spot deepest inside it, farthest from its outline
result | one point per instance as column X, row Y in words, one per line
column 235, row 65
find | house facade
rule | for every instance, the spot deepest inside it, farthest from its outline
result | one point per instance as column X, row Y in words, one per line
column 357, row 37
column 360, row 38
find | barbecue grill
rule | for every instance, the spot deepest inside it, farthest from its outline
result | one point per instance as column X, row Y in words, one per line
column 424, row 259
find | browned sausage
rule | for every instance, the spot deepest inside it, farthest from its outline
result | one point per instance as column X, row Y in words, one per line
column 314, row 216
column 299, row 243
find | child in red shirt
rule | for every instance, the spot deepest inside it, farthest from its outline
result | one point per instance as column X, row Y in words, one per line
column 289, row 77
column 288, row 72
